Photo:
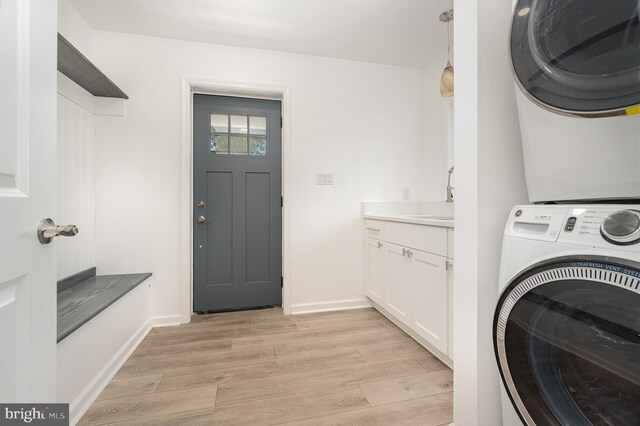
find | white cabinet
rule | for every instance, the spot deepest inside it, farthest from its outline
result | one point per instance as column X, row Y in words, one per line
column 408, row 278
column 398, row 282
column 374, row 270
column 430, row 298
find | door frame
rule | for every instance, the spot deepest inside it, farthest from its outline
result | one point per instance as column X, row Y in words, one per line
column 189, row 87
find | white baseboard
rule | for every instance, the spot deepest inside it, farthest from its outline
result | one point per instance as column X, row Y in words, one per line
column 166, row 321
column 81, row 404
column 307, row 308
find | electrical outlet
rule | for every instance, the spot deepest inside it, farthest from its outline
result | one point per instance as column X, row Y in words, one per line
column 406, row 194
column 324, row 178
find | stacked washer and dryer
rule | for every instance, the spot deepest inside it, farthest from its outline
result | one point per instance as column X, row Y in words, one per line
column 567, row 321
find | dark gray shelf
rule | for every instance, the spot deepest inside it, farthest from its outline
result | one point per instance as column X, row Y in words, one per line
column 83, row 300
column 78, row 68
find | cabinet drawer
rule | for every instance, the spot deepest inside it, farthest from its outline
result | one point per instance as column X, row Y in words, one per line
column 374, row 229
column 432, row 239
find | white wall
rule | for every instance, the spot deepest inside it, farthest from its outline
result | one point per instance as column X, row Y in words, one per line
column 75, row 28
column 490, row 180
column 437, row 113
column 360, row 121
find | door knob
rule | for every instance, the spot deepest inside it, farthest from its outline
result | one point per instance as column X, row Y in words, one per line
column 47, row 229
column 201, row 219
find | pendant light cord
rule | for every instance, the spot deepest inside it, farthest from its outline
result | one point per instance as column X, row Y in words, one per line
column 448, row 44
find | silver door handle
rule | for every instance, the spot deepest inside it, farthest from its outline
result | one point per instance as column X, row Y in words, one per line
column 201, row 219
column 47, row 230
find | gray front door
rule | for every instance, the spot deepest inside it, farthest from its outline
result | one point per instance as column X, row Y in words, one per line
column 237, row 216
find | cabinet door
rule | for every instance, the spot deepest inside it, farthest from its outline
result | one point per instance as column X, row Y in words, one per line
column 430, row 298
column 374, row 270
column 398, row 283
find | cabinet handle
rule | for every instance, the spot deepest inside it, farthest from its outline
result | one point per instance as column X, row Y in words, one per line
column 404, row 251
column 409, row 253
column 379, row 244
column 449, row 264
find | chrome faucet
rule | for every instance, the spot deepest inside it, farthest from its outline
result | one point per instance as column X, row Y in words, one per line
column 449, row 187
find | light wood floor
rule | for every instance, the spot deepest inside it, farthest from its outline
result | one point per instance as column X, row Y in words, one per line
column 262, row 368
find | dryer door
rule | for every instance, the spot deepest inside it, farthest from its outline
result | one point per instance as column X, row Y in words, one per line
column 567, row 341
column 580, row 57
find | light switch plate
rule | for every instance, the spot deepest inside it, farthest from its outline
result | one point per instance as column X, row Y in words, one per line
column 324, row 178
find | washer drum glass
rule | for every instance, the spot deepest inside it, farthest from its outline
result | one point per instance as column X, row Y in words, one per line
column 578, row 56
column 567, row 341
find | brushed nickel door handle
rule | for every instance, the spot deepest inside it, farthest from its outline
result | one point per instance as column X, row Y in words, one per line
column 47, row 230
column 201, row 219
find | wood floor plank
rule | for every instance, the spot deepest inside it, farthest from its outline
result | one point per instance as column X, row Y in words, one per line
column 278, row 410
column 400, row 350
column 172, row 335
column 202, row 417
column 326, row 346
column 154, row 364
column 259, row 323
column 332, row 314
column 132, row 386
column 211, row 346
column 307, row 335
column 428, row 411
column 153, row 405
column 315, row 380
column 331, row 321
column 408, row 387
column 206, row 374
column 431, row 362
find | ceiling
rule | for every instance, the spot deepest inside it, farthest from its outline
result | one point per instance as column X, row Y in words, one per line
column 396, row 32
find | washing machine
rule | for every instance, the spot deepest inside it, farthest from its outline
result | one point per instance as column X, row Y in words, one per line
column 567, row 323
column 576, row 64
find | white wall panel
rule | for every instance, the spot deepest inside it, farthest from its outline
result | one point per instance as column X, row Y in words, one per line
column 76, row 186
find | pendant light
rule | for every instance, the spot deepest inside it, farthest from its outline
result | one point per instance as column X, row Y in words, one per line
column 446, row 81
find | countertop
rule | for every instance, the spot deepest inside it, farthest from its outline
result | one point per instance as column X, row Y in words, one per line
column 413, row 220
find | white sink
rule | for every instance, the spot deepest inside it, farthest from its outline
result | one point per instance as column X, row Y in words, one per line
column 431, row 217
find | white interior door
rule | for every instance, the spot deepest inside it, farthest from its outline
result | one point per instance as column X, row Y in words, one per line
column 27, row 194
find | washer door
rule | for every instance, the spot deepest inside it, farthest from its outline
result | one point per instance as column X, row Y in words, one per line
column 580, row 57
column 567, row 341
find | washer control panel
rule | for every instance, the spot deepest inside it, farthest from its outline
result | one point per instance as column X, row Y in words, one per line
column 589, row 225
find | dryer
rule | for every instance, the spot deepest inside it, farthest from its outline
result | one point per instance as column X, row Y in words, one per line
column 567, row 322
column 576, row 64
